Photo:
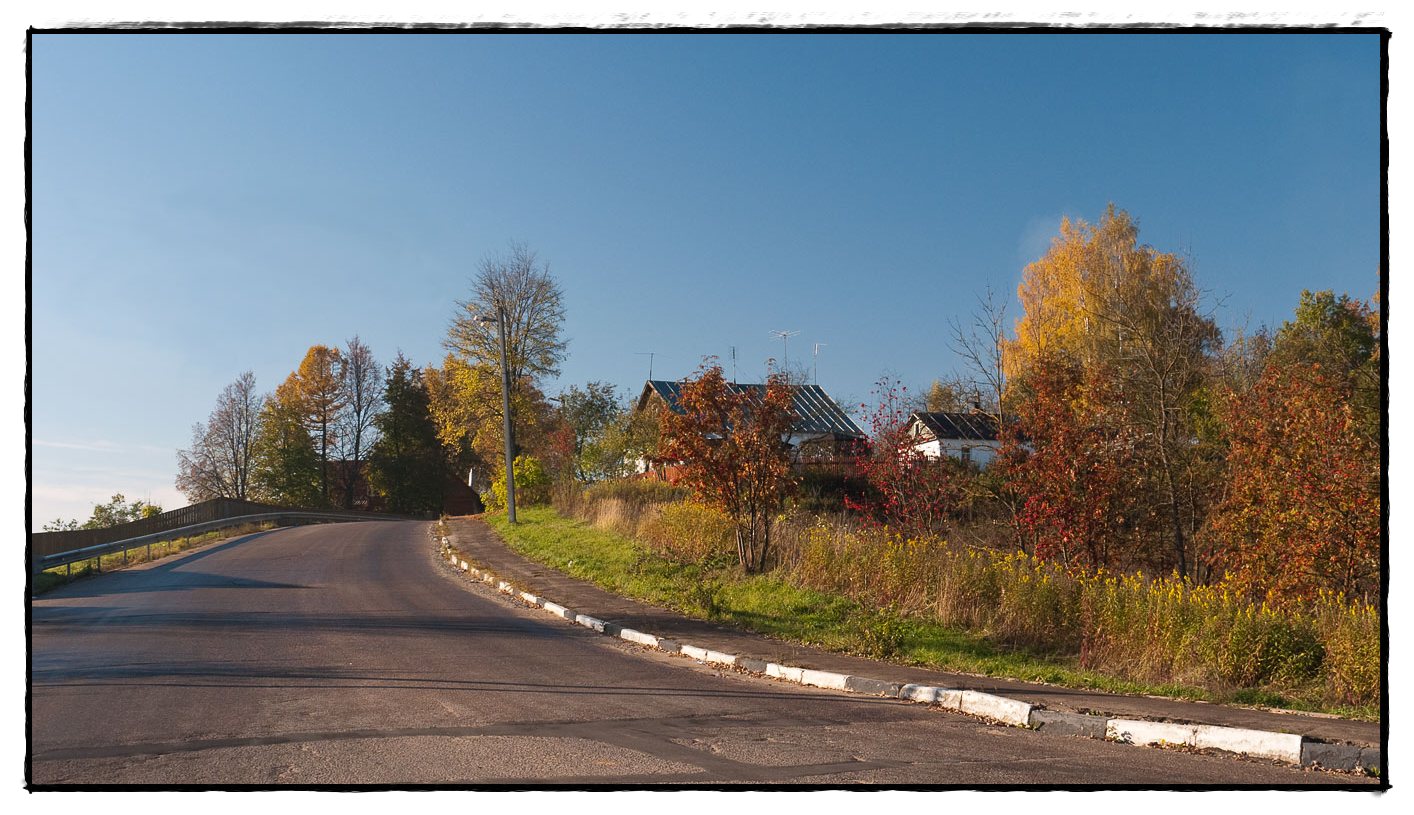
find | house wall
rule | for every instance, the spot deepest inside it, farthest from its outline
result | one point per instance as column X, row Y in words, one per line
column 978, row 451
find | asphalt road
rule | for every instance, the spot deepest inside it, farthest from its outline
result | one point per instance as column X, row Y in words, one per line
column 348, row 654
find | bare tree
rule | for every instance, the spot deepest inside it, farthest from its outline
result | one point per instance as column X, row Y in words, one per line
column 519, row 284
column 362, row 383
column 218, row 464
column 980, row 345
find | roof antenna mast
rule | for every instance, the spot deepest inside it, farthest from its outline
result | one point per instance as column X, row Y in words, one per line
column 818, row 346
column 785, row 348
column 733, row 364
column 648, row 354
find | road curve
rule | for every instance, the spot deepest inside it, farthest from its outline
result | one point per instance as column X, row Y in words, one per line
column 346, row 654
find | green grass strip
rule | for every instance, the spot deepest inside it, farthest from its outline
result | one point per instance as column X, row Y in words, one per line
column 770, row 605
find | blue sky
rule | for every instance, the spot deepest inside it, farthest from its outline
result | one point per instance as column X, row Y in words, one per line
column 209, row 204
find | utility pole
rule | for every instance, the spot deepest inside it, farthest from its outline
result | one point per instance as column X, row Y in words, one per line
column 506, row 414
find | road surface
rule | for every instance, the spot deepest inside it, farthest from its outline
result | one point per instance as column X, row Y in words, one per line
column 347, row 654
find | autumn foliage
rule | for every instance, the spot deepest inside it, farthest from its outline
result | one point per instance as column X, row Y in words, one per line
column 1302, row 509
column 1075, row 464
column 1118, row 350
column 908, row 492
column 730, row 446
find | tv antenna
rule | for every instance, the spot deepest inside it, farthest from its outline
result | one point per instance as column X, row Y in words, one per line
column 648, row 354
column 733, row 364
column 816, row 356
column 785, row 350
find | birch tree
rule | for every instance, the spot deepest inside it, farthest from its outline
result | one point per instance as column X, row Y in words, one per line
column 519, row 283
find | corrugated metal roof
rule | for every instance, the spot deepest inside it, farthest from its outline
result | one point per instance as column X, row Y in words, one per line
column 976, row 426
column 815, row 411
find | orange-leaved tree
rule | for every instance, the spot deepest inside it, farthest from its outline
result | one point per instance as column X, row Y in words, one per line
column 1301, row 512
column 730, row 445
column 1302, row 509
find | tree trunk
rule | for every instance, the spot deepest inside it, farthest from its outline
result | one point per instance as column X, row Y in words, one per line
column 324, row 460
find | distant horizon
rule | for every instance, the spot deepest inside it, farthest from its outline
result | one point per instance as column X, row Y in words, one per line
column 208, row 204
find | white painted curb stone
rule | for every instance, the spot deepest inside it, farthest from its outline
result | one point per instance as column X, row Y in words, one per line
column 708, row 655
column 590, row 622
column 784, row 672
column 639, row 637
column 1133, row 731
column 1280, row 746
column 699, row 654
column 1000, row 708
column 946, row 697
column 824, row 679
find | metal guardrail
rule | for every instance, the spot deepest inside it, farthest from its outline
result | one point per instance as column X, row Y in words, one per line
column 48, row 543
column 50, row 549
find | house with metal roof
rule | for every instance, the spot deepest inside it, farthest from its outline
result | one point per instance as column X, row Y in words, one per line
column 966, row 436
column 821, row 430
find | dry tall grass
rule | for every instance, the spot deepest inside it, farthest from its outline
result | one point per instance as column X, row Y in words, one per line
column 1150, row 630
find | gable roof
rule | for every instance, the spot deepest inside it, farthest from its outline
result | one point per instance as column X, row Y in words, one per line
column 815, row 411
column 946, row 425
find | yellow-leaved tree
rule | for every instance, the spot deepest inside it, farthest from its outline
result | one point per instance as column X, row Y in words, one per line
column 321, row 391
column 465, row 402
column 1129, row 317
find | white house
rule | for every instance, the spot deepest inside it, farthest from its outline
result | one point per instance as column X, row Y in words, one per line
column 965, row 436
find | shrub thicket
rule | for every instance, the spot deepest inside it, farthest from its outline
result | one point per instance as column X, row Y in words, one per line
column 532, row 485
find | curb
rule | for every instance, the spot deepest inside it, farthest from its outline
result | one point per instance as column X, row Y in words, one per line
column 1290, row 748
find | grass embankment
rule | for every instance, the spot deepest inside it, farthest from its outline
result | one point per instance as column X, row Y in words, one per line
column 59, row 575
column 776, row 604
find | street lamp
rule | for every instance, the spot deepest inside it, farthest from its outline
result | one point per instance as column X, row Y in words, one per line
column 505, row 413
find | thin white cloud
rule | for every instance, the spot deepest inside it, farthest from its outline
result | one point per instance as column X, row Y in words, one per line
column 90, row 446
column 1036, row 237
column 100, row 446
